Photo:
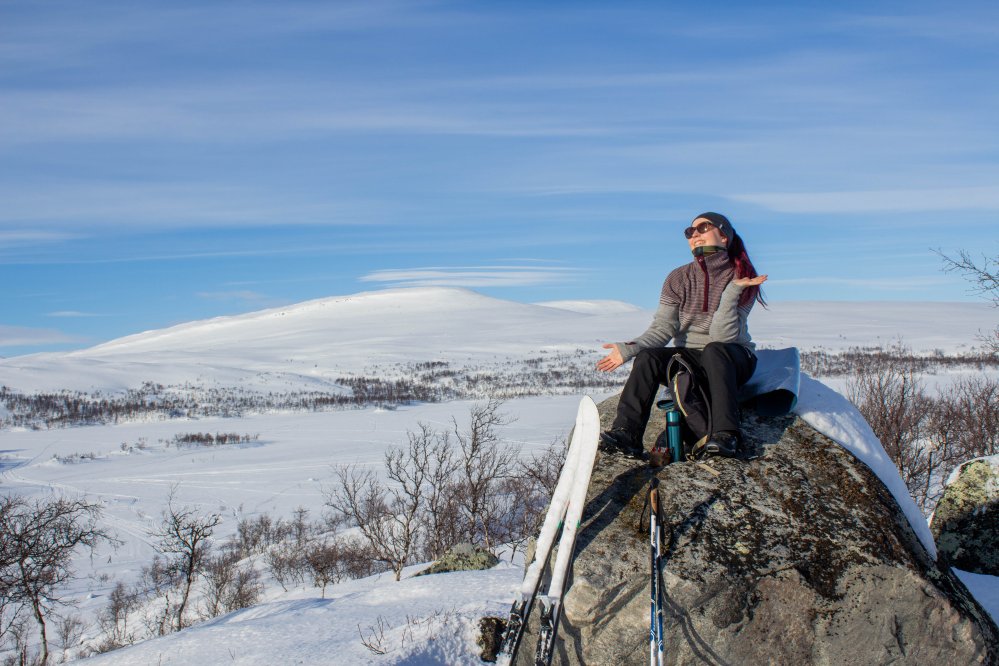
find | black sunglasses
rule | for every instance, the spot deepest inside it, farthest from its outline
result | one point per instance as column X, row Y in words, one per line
column 701, row 228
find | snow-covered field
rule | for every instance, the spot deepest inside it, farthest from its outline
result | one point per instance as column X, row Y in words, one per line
column 286, row 468
column 426, row 620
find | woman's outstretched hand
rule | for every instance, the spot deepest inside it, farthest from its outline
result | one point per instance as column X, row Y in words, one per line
column 751, row 282
column 612, row 361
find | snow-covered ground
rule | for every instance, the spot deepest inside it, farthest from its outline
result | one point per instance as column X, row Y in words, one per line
column 416, row 621
column 425, row 620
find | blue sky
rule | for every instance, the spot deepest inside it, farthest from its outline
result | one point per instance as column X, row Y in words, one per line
column 164, row 162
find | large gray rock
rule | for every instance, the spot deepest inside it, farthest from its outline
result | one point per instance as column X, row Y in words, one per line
column 462, row 557
column 966, row 520
column 799, row 557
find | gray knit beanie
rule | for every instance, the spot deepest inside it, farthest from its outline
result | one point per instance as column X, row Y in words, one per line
column 719, row 221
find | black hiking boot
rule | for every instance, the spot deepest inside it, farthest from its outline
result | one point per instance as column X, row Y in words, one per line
column 724, row 444
column 747, row 451
column 619, row 441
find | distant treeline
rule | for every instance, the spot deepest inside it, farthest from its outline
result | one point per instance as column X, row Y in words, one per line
column 851, row 361
column 399, row 384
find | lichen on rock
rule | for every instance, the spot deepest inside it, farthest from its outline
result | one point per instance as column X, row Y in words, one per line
column 462, row 557
column 966, row 520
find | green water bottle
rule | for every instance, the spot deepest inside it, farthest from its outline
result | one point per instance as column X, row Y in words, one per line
column 673, row 437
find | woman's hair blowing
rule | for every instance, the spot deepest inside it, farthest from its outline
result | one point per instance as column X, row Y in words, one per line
column 744, row 268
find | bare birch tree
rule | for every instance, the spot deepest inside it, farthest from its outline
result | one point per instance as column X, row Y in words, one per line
column 183, row 537
column 37, row 541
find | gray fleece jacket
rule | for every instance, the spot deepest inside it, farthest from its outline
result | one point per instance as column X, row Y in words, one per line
column 698, row 304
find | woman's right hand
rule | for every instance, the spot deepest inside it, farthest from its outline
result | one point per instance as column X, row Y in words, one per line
column 612, row 361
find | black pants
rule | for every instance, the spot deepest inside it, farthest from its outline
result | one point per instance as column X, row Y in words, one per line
column 724, row 365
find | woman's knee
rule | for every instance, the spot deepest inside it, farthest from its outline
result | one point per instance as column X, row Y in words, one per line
column 715, row 351
column 652, row 361
column 643, row 355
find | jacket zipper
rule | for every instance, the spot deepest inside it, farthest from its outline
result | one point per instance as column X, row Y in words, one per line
column 707, row 282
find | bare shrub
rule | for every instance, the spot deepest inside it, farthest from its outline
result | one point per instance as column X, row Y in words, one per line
column 387, row 518
column 69, row 630
column 526, row 495
column 301, row 529
column 972, row 407
column 208, row 439
column 444, row 527
column 16, row 641
column 543, row 470
column 358, row 560
column 113, row 620
column 158, row 577
column 985, row 281
column 375, row 640
column 286, row 563
column 184, row 538
column 926, row 437
column 444, row 488
column 325, row 563
column 484, row 463
column 890, row 395
column 228, row 585
column 254, row 534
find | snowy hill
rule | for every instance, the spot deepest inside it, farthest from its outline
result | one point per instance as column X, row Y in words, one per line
column 592, row 307
column 309, row 346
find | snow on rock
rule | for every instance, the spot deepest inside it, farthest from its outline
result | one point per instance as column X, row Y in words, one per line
column 835, row 417
column 993, row 462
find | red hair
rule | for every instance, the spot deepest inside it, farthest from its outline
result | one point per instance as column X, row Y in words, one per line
column 744, row 268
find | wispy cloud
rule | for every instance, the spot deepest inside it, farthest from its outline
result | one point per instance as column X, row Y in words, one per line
column 75, row 33
column 939, row 26
column 14, row 237
column 478, row 276
column 21, row 336
column 267, row 109
column 889, row 284
column 138, row 205
column 73, row 314
column 877, row 201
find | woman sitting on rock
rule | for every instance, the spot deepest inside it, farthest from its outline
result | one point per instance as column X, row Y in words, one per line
column 703, row 309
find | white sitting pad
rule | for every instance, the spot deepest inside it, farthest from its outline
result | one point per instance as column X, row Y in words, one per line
column 773, row 388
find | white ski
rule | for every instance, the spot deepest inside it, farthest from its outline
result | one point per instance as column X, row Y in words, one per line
column 564, row 513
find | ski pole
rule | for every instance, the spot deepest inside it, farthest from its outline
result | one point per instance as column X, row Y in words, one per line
column 656, row 648
column 652, row 587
